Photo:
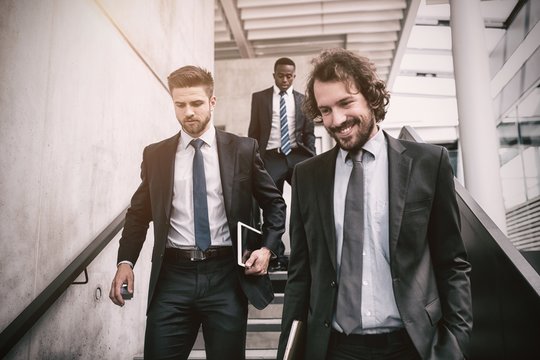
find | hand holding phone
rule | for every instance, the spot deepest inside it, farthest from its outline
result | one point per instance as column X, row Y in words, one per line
column 126, row 295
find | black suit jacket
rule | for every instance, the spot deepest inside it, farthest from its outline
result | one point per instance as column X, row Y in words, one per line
column 242, row 177
column 428, row 262
column 261, row 122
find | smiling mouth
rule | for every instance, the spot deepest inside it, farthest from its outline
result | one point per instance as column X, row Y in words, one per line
column 343, row 131
column 346, row 127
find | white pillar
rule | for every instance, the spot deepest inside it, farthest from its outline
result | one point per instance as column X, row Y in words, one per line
column 477, row 131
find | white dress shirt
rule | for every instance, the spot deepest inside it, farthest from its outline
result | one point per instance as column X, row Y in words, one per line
column 182, row 229
column 274, row 141
column 379, row 309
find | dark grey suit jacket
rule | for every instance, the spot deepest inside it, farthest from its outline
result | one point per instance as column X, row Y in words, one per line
column 428, row 262
column 242, row 178
column 261, row 122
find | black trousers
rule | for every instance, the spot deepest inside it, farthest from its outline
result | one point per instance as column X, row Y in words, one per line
column 280, row 168
column 189, row 294
column 393, row 346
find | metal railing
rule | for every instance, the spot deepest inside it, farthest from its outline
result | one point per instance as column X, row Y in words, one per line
column 505, row 287
column 14, row 332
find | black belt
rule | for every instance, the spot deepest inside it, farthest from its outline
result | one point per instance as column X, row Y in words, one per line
column 278, row 151
column 371, row 340
column 173, row 254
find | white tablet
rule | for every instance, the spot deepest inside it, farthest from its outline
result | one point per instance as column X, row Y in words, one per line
column 248, row 239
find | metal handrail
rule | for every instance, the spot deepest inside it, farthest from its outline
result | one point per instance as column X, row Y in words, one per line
column 503, row 242
column 14, row 332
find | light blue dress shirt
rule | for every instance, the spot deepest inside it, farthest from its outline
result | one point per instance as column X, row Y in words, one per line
column 379, row 309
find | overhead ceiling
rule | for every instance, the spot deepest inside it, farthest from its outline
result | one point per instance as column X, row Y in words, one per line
column 408, row 40
column 273, row 28
column 378, row 29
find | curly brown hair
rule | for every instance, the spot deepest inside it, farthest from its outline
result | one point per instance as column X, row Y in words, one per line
column 345, row 66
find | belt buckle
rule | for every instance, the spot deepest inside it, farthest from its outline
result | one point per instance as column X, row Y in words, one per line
column 197, row 255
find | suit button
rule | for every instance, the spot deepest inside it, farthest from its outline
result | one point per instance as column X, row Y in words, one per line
column 326, row 324
column 333, row 284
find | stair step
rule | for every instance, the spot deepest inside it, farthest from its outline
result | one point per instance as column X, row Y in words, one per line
column 250, row 354
column 253, row 354
column 278, row 276
column 272, row 311
column 258, row 325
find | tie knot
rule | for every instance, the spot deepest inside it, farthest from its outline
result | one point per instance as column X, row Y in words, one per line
column 197, row 143
column 356, row 156
column 281, row 93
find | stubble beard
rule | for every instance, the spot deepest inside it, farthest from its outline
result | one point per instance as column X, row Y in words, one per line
column 198, row 127
column 358, row 138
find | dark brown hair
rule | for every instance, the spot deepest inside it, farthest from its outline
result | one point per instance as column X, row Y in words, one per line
column 345, row 66
column 191, row 76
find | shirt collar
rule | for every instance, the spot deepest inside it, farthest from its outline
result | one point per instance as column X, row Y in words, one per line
column 209, row 137
column 288, row 91
column 373, row 146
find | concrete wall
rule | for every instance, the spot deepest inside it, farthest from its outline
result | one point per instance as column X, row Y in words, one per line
column 82, row 93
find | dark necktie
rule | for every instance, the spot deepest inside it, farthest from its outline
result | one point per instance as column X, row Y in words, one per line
column 348, row 309
column 200, row 202
column 283, row 125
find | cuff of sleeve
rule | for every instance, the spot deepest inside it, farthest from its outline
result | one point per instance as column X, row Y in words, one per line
column 272, row 254
column 125, row 262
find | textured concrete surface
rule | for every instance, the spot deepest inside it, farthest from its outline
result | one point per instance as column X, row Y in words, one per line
column 82, row 93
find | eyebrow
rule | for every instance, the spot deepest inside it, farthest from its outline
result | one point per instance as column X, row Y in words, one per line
column 350, row 97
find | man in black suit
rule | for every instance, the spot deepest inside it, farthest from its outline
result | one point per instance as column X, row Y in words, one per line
column 195, row 187
column 377, row 268
column 286, row 137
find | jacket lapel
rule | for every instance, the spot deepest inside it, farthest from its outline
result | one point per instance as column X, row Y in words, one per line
column 167, row 170
column 298, row 111
column 268, row 99
column 227, row 161
column 325, row 200
column 399, row 168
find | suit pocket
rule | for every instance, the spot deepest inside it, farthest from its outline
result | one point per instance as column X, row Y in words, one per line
column 417, row 205
column 433, row 310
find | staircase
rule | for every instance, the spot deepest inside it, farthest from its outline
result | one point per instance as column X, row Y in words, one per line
column 263, row 327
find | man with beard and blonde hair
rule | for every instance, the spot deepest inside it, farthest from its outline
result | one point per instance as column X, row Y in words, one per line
column 378, row 269
column 195, row 188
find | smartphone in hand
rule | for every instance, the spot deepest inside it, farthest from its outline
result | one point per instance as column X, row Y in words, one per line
column 126, row 295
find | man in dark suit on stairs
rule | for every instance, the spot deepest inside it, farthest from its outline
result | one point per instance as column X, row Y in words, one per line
column 196, row 186
column 286, row 137
column 378, row 269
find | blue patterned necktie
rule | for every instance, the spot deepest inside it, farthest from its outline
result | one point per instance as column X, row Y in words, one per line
column 200, row 202
column 284, row 126
column 349, row 301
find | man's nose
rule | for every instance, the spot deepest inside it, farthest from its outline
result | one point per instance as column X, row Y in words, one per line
column 338, row 117
column 189, row 112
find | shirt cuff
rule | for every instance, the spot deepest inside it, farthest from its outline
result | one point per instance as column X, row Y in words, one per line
column 125, row 262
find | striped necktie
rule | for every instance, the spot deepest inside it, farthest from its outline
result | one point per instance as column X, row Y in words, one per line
column 284, row 126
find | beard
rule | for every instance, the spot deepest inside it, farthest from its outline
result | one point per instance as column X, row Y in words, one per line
column 196, row 127
column 362, row 132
